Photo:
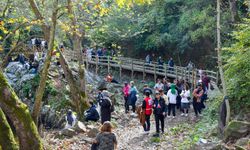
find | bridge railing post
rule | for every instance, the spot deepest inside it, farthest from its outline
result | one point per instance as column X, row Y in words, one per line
column 155, row 72
column 120, row 65
column 132, row 72
column 96, row 64
column 165, row 70
column 144, row 71
column 108, row 64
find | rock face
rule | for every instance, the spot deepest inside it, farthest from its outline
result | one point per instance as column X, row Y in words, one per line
column 80, row 127
column 68, row 132
column 18, row 74
column 236, row 130
column 92, row 132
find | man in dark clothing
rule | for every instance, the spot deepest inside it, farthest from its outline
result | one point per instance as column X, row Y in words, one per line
column 146, row 89
column 171, row 64
column 159, row 107
column 106, row 106
column 91, row 113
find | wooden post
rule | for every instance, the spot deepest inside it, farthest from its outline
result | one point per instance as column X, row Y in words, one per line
column 176, row 72
column 132, row 72
column 120, row 69
column 165, row 70
column 87, row 65
column 217, row 78
column 155, row 72
column 96, row 64
column 144, row 71
column 108, row 64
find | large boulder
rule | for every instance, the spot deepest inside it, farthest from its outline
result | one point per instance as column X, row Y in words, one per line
column 68, row 132
column 236, row 130
column 92, row 132
column 80, row 127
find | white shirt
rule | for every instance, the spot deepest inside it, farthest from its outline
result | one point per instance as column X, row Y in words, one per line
column 33, row 41
column 184, row 96
column 159, row 86
column 172, row 97
column 73, row 123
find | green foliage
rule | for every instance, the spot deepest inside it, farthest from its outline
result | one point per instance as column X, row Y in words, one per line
column 237, row 68
column 29, row 87
column 59, row 103
column 155, row 140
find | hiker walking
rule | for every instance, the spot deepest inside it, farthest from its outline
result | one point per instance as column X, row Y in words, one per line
column 133, row 95
column 172, row 95
column 197, row 93
column 147, row 108
column 185, row 97
column 125, row 91
column 159, row 107
column 106, row 139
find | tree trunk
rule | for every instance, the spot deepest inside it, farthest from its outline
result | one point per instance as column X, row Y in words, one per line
column 233, row 9
column 78, row 98
column 7, row 140
column 220, row 65
column 43, row 77
column 45, row 28
column 19, row 114
column 77, row 48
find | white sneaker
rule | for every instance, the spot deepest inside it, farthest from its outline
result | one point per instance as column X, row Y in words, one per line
column 173, row 117
column 186, row 115
column 182, row 114
column 200, row 115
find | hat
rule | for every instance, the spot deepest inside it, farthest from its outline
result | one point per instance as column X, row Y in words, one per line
column 132, row 82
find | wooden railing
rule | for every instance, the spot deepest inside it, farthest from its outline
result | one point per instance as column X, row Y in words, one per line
column 137, row 65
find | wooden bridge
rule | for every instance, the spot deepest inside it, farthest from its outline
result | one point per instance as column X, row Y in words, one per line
column 137, row 65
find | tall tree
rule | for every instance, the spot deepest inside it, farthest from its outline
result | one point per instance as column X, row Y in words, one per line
column 41, row 88
column 19, row 115
column 220, row 65
column 7, row 140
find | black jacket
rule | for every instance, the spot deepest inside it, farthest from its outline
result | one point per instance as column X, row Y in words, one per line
column 159, row 110
column 92, row 114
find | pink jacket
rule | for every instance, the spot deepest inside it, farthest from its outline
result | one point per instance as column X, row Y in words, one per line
column 126, row 90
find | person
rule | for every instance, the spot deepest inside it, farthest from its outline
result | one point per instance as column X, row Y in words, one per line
column 133, row 95
column 105, row 140
column 91, row 113
column 148, row 59
column 179, row 88
column 164, row 97
column 172, row 95
column 125, row 91
column 159, row 107
column 166, row 84
column 147, row 108
column 146, row 89
column 197, row 94
column 110, row 79
column 106, row 106
column 185, row 97
column 205, row 80
column 158, row 86
column 171, row 64
column 160, row 64
column 190, row 66
column 70, row 119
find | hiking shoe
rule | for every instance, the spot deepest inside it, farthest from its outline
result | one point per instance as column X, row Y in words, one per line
column 182, row 114
column 173, row 117
column 200, row 115
column 186, row 115
column 156, row 135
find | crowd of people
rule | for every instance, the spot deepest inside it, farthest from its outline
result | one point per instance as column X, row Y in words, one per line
column 92, row 53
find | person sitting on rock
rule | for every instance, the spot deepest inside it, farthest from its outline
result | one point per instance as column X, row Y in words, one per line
column 91, row 113
column 70, row 119
column 105, row 140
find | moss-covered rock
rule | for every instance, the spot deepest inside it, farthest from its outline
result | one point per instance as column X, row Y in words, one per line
column 236, row 130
